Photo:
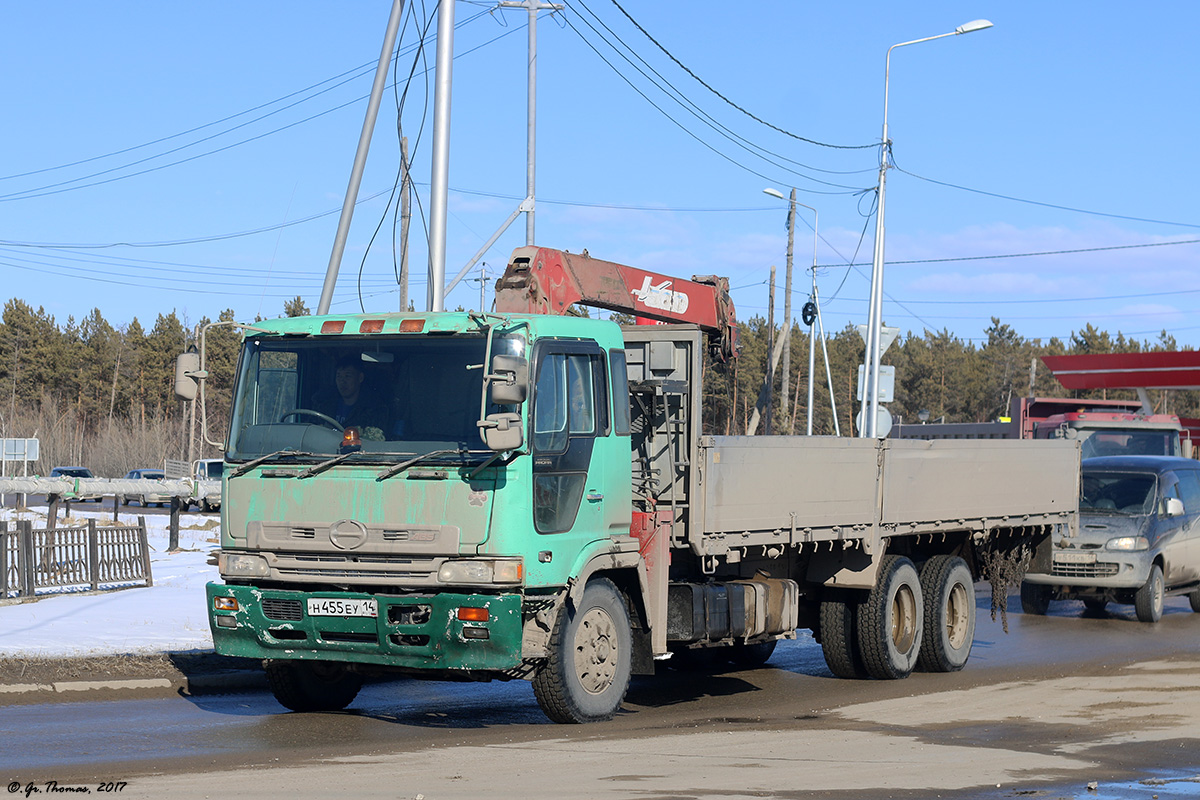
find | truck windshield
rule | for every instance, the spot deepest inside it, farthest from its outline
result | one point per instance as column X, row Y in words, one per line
column 1118, row 493
column 403, row 396
column 1129, row 443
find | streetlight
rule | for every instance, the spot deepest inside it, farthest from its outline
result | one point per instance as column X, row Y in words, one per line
column 788, row 296
column 875, row 310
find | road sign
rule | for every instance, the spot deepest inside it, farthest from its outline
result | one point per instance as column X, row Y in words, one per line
column 886, row 337
column 19, row 450
column 883, row 422
column 887, row 383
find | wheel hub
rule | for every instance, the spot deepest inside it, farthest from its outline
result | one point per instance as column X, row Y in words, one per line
column 596, row 655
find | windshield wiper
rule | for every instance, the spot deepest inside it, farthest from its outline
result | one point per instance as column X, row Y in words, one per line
column 396, row 470
column 333, row 462
column 249, row 465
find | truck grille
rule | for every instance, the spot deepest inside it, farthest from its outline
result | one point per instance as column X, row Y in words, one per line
column 1100, row 569
column 283, row 610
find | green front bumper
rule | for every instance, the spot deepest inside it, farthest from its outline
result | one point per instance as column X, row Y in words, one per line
column 412, row 631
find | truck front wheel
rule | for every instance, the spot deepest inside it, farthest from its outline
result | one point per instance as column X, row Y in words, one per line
column 949, row 594
column 587, row 672
column 312, row 685
column 891, row 620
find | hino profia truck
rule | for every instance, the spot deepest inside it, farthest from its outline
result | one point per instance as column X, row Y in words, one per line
column 527, row 494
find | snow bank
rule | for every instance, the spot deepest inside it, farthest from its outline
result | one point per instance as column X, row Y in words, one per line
column 168, row 616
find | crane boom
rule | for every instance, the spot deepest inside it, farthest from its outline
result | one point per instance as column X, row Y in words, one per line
column 542, row 280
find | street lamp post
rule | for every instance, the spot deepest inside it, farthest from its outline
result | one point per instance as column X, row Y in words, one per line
column 870, row 408
column 787, row 312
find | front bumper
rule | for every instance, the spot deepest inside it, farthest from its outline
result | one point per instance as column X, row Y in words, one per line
column 409, row 631
column 1113, row 569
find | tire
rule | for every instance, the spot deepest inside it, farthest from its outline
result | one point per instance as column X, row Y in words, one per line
column 839, row 639
column 586, row 675
column 312, row 685
column 1095, row 605
column 751, row 656
column 891, row 621
column 1035, row 599
column 949, row 599
column 1148, row 602
column 1194, row 599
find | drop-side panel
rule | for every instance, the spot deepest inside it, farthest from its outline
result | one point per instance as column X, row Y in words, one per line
column 948, row 480
column 763, row 483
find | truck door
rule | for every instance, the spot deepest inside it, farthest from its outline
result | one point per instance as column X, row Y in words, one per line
column 574, row 464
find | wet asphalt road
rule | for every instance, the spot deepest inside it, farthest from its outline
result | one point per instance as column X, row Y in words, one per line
column 1015, row 678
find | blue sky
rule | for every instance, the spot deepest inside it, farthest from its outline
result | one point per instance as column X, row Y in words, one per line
column 1083, row 110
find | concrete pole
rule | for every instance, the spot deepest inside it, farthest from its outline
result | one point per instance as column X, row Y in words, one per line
column 440, row 175
column 360, row 157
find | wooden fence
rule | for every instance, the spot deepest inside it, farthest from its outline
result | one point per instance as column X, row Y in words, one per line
column 89, row 556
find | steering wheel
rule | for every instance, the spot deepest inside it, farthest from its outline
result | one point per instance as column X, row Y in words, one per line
column 328, row 420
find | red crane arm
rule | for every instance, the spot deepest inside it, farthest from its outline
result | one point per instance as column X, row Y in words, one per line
column 541, row 280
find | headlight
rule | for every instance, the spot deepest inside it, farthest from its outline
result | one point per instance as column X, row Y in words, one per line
column 1128, row 543
column 242, row 565
column 481, row 571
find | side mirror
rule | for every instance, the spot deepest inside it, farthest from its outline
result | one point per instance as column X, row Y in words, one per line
column 509, row 380
column 1174, row 507
column 187, row 371
column 503, row 432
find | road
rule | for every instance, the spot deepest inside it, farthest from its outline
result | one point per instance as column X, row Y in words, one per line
column 1058, row 702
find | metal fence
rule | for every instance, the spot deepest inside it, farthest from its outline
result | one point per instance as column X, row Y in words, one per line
column 88, row 556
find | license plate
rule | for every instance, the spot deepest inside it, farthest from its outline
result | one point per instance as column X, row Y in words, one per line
column 335, row 607
column 1075, row 558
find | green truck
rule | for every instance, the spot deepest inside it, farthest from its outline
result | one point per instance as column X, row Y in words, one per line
column 527, row 494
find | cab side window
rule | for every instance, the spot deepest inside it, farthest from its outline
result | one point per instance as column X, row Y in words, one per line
column 1189, row 490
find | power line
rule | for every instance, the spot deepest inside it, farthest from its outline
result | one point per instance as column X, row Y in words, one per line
column 699, row 80
column 689, row 104
column 1046, row 205
column 698, row 139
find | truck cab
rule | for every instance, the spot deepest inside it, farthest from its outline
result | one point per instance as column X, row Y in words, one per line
column 385, row 542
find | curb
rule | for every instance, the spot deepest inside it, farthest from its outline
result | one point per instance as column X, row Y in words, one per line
column 215, row 683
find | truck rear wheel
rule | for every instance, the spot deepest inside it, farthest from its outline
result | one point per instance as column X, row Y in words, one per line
column 891, row 620
column 949, row 598
column 1035, row 599
column 839, row 639
column 312, row 685
column 587, row 672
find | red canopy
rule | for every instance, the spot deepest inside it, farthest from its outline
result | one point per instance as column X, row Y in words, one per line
column 1177, row 370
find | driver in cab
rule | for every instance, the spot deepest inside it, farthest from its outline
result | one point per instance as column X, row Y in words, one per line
column 349, row 404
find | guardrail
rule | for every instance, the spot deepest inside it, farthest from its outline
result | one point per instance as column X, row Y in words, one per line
column 91, row 555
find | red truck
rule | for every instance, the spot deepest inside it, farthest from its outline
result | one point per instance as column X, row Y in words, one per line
column 1104, row 427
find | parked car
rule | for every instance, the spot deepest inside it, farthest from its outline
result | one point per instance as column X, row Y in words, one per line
column 76, row 472
column 146, row 499
column 1138, row 539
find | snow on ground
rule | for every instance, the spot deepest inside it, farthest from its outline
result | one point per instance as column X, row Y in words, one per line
column 168, row 616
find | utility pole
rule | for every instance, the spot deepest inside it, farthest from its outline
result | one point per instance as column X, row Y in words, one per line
column 527, row 206
column 360, row 156
column 787, row 311
column 439, row 179
column 533, row 7
column 770, row 351
column 405, row 218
